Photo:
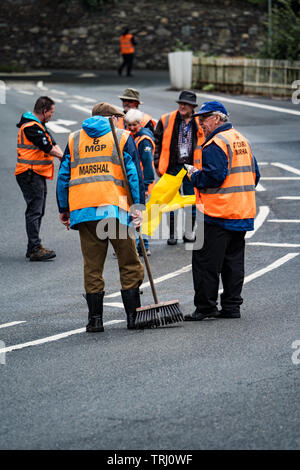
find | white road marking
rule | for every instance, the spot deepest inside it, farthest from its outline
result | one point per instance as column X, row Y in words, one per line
column 87, row 75
column 260, row 187
column 278, row 245
column 40, row 85
column 25, row 92
column 187, row 268
column 84, row 98
column 289, row 198
column 285, row 221
column 82, row 108
column 251, row 104
column 263, row 163
column 58, row 126
column 52, row 338
column 12, row 323
column 58, row 92
column 183, row 270
column 268, row 268
column 114, row 304
column 289, row 168
column 259, row 220
column 280, row 178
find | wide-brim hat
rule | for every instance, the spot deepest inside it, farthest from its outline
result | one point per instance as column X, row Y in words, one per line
column 131, row 94
column 187, row 97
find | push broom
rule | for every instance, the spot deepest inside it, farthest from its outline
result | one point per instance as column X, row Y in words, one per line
column 159, row 313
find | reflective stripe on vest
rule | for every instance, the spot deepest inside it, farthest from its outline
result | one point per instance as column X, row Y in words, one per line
column 30, row 156
column 96, row 174
column 235, row 198
column 126, row 46
column 168, row 121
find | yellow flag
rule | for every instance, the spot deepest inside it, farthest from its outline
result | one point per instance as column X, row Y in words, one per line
column 164, row 197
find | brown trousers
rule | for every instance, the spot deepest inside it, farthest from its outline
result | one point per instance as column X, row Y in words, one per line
column 94, row 251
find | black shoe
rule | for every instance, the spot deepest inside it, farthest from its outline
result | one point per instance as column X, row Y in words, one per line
column 131, row 301
column 95, row 305
column 228, row 314
column 148, row 252
column 172, row 241
column 189, row 240
column 197, row 316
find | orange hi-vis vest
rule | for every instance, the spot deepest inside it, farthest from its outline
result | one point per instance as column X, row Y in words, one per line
column 96, row 174
column 168, row 121
column 145, row 119
column 126, row 46
column 31, row 157
column 235, row 198
column 138, row 140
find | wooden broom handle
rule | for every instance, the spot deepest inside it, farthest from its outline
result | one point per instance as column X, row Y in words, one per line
column 131, row 204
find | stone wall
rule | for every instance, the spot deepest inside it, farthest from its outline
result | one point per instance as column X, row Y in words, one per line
column 36, row 34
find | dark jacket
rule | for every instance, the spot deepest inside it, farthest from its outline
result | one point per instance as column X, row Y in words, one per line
column 35, row 134
column 174, row 152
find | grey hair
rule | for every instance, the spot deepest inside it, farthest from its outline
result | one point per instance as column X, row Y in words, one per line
column 223, row 117
column 133, row 115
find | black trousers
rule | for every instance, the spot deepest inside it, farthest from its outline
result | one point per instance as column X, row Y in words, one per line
column 223, row 252
column 34, row 189
column 127, row 62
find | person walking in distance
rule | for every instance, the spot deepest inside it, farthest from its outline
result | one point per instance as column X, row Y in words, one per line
column 36, row 151
column 225, row 193
column 92, row 199
column 127, row 50
column 178, row 139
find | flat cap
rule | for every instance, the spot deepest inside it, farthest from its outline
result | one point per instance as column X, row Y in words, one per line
column 106, row 109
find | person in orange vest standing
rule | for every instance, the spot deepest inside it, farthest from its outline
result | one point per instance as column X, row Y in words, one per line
column 92, row 198
column 36, row 151
column 144, row 140
column 127, row 50
column 131, row 100
column 225, row 193
column 178, row 139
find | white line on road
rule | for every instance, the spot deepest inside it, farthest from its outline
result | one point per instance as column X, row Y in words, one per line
column 260, row 187
column 82, row 108
column 183, row 270
column 251, row 104
column 289, row 168
column 268, row 268
column 48, row 339
column 84, row 98
column 259, row 220
column 58, row 92
column 25, row 92
column 289, row 198
column 114, row 304
column 52, row 338
column 285, row 221
column 278, row 245
column 41, row 86
column 282, row 178
column 12, row 323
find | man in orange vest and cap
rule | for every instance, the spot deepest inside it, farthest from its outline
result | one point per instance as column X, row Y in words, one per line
column 36, row 149
column 225, row 192
column 131, row 100
column 92, row 198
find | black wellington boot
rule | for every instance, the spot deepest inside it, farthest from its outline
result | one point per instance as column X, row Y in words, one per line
column 131, row 300
column 95, row 305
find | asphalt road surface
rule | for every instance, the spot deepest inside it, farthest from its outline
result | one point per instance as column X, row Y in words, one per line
column 216, row 384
